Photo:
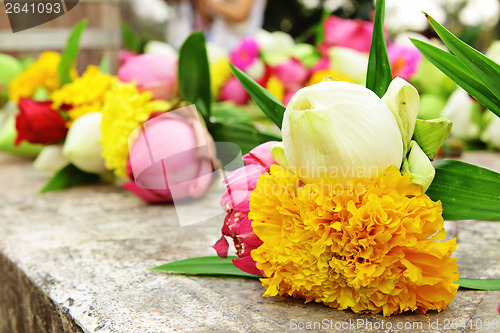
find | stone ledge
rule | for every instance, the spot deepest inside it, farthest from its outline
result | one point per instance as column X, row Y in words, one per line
column 77, row 260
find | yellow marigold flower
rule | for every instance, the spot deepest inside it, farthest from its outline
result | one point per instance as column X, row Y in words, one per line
column 41, row 73
column 318, row 76
column 372, row 247
column 85, row 94
column 276, row 88
column 219, row 74
column 123, row 111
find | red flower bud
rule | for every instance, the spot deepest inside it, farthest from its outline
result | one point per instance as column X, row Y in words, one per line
column 36, row 122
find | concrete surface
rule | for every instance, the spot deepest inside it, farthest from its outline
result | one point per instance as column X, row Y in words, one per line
column 76, row 261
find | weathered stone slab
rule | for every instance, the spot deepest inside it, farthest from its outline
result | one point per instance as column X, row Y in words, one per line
column 77, row 260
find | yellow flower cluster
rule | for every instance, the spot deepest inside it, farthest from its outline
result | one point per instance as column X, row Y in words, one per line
column 42, row 73
column 85, row 94
column 372, row 247
column 276, row 88
column 319, row 75
column 219, row 74
column 123, row 111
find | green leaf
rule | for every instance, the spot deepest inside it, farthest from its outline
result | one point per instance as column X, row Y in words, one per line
column 486, row 70
column 431, row 134
column 68, row 56
column 104, row 65
column 479, row 284
column 194, row 74
column 264, row 99
column 467, row 192
column 212, row 265
column 379, row 75
column 244, row 135
column 69, row 176
column 131, row 40
column 458, row 72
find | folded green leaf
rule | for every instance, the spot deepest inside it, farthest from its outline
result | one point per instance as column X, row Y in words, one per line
column 194, row 74
column 68, row 56
column 104, row 65
column 486, row 70
column 460, row 73
column 264, row 99
column 467, row 192
column 431, row 134
column 479, row 284
column 212, row 265
column 379, row 75
column 244, row 135
column 69, row 176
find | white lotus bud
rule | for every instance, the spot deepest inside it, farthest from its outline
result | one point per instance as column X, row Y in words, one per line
column 334, row 131
column 82, row 146
column 50, row 159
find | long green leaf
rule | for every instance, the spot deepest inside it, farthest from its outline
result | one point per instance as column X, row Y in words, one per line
column 379, row 75
column 264, row 99
column 194, row 74
column 484, row 68
column 68, row 56
column 468, row 192
column 69, row 176
column 479, row 284
column 244, row 135
column 212, row 265
column 458, row 72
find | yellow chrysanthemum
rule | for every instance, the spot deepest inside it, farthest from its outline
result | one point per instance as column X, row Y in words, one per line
column 276, row 88
column 85, row 94
column 318, row 76
column 219, row 74
column 372, row 248
column 41, row 73
column 123, row 111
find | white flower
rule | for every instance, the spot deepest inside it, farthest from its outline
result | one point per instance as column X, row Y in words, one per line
column 50, row 159
column 82, row 146
column 335, row 130
column 348, row 63
column 462, row 110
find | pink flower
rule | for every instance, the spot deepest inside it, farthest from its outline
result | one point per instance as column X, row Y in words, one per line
column 404, row 60
column 353, row 34
column 152, row 72
column 498, row 308
column 171, row 160
column 244, row 55
column 293, row 75
column 233, row 91
column 235, row 201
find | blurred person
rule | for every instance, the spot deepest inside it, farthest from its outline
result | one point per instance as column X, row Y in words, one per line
column 226, row 22
column 181, row 23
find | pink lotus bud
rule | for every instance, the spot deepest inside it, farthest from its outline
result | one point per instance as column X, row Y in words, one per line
column 293, row 74
column 234, row 92
column 152, row 72
column 353, row 34
column 172, row 159
column 235, row 201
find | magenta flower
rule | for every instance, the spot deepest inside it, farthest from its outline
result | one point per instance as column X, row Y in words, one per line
column 234, row 92
column 171, row 160
column 235, row 201
column 152, row 72
column 293, row 74
column 404, row 60
column 353, row 34
column 498, row 308
column 244, row 55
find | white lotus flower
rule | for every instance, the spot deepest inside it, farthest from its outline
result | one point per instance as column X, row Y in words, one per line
column 82, row 146
column 50, row 159
column 348, row 63
column 335, row 130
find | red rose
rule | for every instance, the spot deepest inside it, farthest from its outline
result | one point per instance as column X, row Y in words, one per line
column 36, row 122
